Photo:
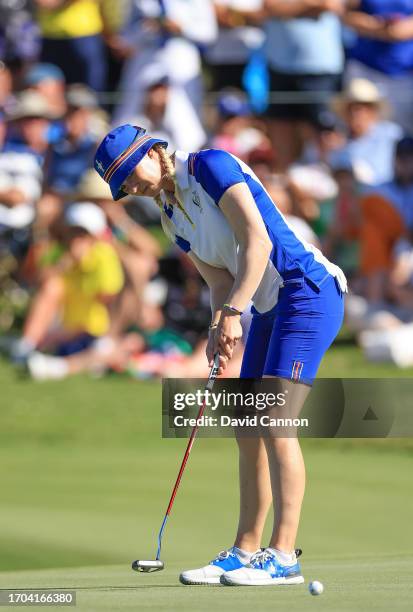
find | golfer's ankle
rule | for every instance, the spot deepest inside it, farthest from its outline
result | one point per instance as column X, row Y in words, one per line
column 248, row 544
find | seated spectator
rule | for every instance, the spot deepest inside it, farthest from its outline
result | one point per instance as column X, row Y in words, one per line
column 305, row 57
column 383, row 51
column 312, row 172
column 136, row 248
column 156, row 116
column 371, row 138
column 77, row 291
column 6, row 86
column 105, row 353
column 70, row 156
column 387, row 216
column 30, row 119
column 72, row 38
column 342, row 240
column 283, row 193
column 235, row 130
column 49, row 81
column 262, row 160
column 20, row 165
column 162, row 114
column 325, row 134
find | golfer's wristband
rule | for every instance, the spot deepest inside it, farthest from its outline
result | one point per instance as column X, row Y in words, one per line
column 233, row 309
column 213, row 326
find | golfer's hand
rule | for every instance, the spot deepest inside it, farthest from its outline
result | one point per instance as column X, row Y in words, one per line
column 227, row 334
column 210, row 352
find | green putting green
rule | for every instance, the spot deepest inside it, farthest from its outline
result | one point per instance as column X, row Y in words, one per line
column 85, row 479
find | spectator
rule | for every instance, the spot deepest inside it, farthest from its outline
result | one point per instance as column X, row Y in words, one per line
column 312, row 173
column 161, row 116
column 78, row 289
column 49, row 81
column 387, row 217
column 283, row 192
column 238, row 37
column 371, row 138
column 19, row 35
column 72, row 37
column 342, row 240
column 309, row 72
column 136, row 248
column 30, row 121
column 262, row 160
column 70, row 157
column 383, row 51
column 6, row 86
column 165, row 37
column 20, row 161
column 235, row 130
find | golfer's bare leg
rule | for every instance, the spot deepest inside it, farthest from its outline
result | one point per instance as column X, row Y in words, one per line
column 255, row 492
column 287, row 472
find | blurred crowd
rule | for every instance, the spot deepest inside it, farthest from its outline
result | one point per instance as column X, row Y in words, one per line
column 315, row 95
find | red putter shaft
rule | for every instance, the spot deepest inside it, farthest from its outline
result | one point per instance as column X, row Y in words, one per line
column 208, row 387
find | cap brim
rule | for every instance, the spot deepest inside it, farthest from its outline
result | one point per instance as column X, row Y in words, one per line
column 126, row 168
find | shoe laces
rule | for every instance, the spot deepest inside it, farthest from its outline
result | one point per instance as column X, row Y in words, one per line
column 260, row 558
column 264, row 555
column 224, row 554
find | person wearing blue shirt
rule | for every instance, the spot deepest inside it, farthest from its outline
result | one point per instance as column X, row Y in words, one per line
column 383, row 50
column 305, row 58
column 217, row 211
column 371, row 138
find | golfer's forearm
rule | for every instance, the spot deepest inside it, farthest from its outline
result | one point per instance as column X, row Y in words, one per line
column 252, row 261
column 218, row 297
column 219, row 281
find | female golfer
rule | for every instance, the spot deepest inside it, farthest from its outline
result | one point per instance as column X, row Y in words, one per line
column 216, row 210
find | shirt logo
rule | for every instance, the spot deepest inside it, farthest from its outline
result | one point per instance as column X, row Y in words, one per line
column 100, row 167
column 196, row 199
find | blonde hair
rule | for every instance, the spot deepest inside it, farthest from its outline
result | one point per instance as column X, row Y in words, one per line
column 168, row 169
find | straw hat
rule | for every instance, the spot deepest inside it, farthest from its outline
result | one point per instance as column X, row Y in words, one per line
column 93, row 187
column 31, row 104
column 362, row 91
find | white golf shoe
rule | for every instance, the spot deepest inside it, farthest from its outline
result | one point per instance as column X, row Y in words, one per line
column 226, row 561
column 264, row 569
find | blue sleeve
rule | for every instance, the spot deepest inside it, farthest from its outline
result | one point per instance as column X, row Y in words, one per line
column 216, row 171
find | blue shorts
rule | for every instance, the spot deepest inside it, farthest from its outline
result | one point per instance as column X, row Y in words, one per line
column 291, row 339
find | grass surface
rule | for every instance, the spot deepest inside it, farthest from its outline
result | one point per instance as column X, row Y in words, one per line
column 85, row 478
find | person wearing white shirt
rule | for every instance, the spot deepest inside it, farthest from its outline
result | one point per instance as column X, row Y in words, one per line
column 217, row 211
column 166, row 36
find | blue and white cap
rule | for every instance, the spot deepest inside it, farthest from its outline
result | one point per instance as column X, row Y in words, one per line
column 120, row 152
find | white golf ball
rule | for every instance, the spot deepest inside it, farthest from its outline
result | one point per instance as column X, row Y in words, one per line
column 316, row 587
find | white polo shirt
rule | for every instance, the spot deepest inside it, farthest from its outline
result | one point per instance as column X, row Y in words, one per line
column 202, row 179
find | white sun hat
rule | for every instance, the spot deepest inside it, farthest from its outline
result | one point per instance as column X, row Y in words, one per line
column 88, row 216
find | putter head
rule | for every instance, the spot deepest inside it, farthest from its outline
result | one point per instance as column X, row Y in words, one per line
column 148, row 566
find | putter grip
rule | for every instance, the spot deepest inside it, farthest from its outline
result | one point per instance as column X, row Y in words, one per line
column 213, row 373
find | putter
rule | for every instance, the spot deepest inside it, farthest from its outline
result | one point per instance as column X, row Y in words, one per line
column 155, row 565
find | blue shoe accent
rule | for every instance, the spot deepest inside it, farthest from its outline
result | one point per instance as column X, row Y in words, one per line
column 227, row 560
column 268, row 562
column 264, row 569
